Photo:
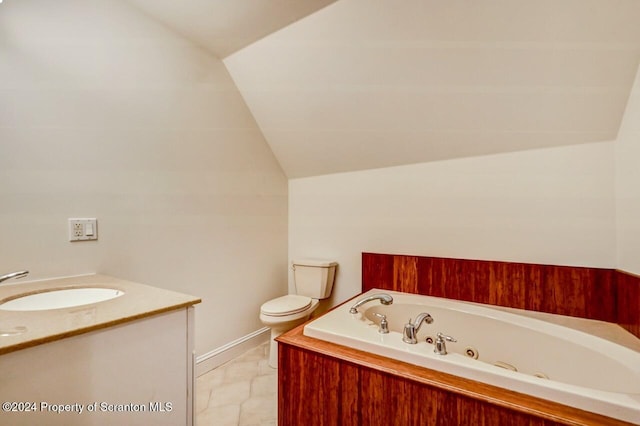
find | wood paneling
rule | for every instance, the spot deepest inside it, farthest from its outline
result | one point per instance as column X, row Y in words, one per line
column 320, row 383
column 385, row 399
column 378, row 269
column 593, row 293
column 628, row 287
column 578, row 292
column 305, row 394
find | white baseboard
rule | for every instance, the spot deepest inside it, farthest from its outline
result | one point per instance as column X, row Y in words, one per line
column 225, row 353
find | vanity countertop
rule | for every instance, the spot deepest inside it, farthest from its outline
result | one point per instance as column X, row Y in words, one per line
column 138, row 301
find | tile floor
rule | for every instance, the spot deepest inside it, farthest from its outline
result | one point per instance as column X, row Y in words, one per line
column 243, row 391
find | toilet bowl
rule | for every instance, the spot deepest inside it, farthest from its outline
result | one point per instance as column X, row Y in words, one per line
column 313, row 280
column 294, row 311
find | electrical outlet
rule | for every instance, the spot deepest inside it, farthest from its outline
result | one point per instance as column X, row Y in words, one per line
column 83, row 229
column 78, row 230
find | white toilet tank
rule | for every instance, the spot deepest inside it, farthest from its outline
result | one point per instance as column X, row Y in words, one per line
column 314, row 277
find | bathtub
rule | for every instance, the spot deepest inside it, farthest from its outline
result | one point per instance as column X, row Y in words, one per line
column 503, row 347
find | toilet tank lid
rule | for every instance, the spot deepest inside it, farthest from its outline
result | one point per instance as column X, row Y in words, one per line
column 319, row 263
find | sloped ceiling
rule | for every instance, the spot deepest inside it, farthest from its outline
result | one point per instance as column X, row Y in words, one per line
column 224, row 26
column 373, row 83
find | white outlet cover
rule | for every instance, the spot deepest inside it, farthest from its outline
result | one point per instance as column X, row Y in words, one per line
column 78, row 229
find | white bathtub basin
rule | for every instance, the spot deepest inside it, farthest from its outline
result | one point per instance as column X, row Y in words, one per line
column 583, row 370
column 60, row 298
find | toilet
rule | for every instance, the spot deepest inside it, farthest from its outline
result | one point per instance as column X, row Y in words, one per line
column 313, row 280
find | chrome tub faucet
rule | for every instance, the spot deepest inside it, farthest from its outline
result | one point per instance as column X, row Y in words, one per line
column 440, row 346
column 384, row 324
column 384, row 298
column 16, row 275
column 411, row 329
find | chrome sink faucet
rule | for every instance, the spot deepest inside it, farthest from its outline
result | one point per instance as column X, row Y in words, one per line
column 384, row 298
column 16, row 275
column 411, row 329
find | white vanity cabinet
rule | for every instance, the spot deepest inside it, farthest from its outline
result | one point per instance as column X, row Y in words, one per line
column 138, row 372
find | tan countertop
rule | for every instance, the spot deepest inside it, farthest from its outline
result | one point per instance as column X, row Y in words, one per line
column 138, row 301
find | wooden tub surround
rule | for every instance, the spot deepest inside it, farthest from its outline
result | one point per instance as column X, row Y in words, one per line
column 322, row 383
column 593, row 293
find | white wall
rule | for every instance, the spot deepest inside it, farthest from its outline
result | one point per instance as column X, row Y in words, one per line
column 105, row 113
column 628, row 185
column 553, row 205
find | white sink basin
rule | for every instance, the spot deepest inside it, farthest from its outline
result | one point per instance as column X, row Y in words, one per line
column 60, row 298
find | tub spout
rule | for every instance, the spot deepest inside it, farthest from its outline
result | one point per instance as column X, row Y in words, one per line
column 384, row 298
column 16, row 275
column 411, row 329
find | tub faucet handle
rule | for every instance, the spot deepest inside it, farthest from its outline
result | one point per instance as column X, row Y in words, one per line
column 384, row 325
column 445, row 337
column 440, row 345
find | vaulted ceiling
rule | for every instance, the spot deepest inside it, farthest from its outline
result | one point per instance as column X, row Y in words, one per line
column 225, row 26
column 361, row 84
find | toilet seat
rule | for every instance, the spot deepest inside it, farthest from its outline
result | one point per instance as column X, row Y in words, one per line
column 285, row 305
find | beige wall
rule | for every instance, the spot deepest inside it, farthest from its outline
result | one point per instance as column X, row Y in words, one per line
column 553, row 205
column 364, row 84
column 105, row 113
column 628, row 185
